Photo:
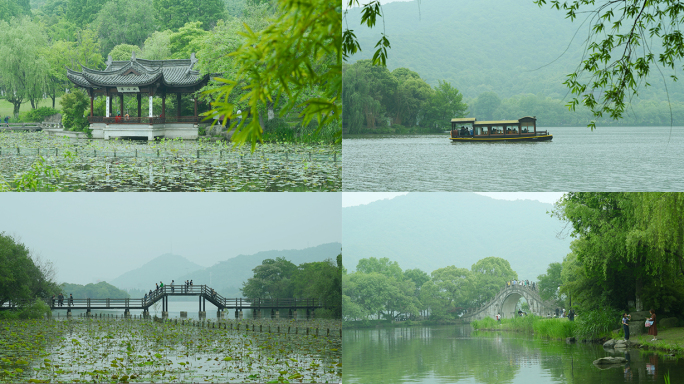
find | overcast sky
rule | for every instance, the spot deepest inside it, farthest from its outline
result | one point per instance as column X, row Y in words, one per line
column 350, row 199
column 92, row 237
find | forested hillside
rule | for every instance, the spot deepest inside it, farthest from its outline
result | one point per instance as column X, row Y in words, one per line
column 512, row 50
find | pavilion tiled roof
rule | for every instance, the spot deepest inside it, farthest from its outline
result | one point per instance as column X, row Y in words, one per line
column 139, row 72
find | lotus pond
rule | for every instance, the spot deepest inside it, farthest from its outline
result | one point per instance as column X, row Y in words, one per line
column 34, row 160
column 104, row 350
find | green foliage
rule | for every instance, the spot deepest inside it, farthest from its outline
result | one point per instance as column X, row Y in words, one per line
column 619, row 51
column 485, row 106
column 296, row 60
column 37, row 115
column 82, row 12
column 370, row 13
column 187, row 40
column 281, row 278
column 124, row 22
column 13, row 8
column 278, row 130
column 124, row 52
column 491, row 273
column 74, row 105
column 173, row 14
column 597, row 323
column 550, row 282
column 157, row 46
column 23, row 67
column 101, row 290
column 22, row 277
column 375, row 98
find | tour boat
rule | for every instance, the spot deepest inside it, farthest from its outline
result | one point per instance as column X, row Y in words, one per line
column 524, row 129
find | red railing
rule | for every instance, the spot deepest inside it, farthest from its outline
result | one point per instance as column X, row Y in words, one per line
column 142, row 120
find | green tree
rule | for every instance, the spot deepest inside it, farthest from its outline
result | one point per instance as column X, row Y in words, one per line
column 157, row 46
column 13, row 8
column 382, row 266
column 173, row 14
column 490, row 274
column 369, row 15
column 188, row 39
column 124, row 22
column 621, row 50
column 486, row 105
column 411, row 98
column 23, row 278
column 449, row 289
column 83, row 12
column 369, row 291
column 272, row 279
column 550, row 282
column 23, row 67
column 321, row 280
column 60, row 55
column 124, row 52
column 445, row 104
column 88, row 50
column 295, row 54
column 74, row 105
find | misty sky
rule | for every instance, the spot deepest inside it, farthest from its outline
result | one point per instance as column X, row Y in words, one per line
column 92, row 237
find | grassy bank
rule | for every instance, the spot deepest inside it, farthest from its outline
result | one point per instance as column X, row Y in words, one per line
column 552, row 328
column 6, row 108
column 395, row 324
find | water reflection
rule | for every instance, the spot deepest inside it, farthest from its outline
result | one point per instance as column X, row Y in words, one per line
column 450, row 354
column 607, row 159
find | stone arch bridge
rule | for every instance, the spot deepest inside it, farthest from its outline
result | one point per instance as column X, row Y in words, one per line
column 504, row 303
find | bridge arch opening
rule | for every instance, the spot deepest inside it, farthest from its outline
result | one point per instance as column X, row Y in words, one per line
column 509, row 308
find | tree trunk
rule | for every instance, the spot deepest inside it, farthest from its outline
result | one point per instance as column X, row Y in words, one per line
column 17, row 105
column 271, row 113
column 53, row 101
column 33, row 103
column 261, row 121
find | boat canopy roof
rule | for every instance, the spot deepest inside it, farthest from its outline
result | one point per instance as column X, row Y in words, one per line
column 497, row 122
column 461, row 120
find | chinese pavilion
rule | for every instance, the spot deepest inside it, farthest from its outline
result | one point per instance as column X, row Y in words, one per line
column 135, row 77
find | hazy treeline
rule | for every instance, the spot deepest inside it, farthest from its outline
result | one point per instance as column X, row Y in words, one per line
column 552, row 112
column 101, row 290
column 628, row 253
column 376, row 100
column 380, row 289
column 281, row 278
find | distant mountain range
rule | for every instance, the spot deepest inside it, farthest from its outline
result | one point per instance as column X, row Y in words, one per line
column 161, row 268
column 226, row 276
column 434, row 230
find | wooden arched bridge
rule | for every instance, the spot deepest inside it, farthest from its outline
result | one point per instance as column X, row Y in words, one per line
column 203, row 292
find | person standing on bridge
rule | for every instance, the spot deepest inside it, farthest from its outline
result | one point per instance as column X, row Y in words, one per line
column 172, row 290
column 145, row 298
column 161, row 286
column 7, row 121
column 53, row 300
column 71, row 300
column 156, row 290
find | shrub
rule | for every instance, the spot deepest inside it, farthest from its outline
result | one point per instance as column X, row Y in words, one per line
column 74, row 105
column 486, row 323
column 37, row 115
column 597, row 323
column 277, row 129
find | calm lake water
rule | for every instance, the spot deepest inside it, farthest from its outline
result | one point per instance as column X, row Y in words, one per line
column 455, row 354
column 607, row 159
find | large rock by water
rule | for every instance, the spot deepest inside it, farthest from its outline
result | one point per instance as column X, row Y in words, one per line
column 610, row 360
column 669, row 322
column 609, row 344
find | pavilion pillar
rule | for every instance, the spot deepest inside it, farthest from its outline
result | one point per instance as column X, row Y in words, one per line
column 178, row 104
column 91, row 106
column 121, row 110
column 163, row 105
column 139, row 95
column 195, row 109
column 108, row 104
column 151, row 105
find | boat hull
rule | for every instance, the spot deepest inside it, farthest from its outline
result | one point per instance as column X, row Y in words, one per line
column 498, row 139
